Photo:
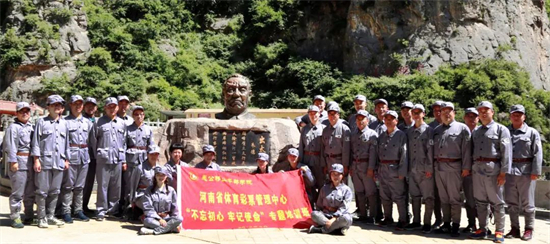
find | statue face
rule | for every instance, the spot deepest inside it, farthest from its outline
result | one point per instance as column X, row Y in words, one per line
column 235, row 94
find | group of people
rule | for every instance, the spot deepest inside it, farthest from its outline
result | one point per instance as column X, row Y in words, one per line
column 390, row 162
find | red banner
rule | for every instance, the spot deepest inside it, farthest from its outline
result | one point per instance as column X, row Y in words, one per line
column 220, row 200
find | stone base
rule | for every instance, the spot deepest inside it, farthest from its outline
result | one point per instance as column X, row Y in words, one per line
column 194, row 133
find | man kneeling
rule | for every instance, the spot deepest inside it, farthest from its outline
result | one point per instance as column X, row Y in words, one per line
column 160, row 206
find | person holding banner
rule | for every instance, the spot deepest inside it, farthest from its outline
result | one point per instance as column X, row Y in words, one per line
column 160, row 206
column 263, row 164
column 332, row 214
column 292, row 164
column 208, row 155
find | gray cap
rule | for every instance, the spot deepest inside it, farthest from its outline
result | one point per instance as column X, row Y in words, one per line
column 154, row 149
column 334, row 107
column 419, row 106
column 22, row 105
column 437, row 103
column 138, row 108
column 407, row 104
column 75, row 98
column 360, row 98
column 208, row 148
column 298, row 120
column 263, row 157
column 448, row 105
column 121, row 98
column 363, row 113
column 312, row 108
column 293, row 151
column 90, row 100
column 110, row 100
column 471, row 110
column 517, row 108
column 319, row 97
column 161, row 170
column 380, row 100
column 485, row 104
column 392, row 113
column 55, row 99
column 338, row 168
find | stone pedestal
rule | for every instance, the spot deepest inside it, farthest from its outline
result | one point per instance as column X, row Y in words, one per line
column 243, row 139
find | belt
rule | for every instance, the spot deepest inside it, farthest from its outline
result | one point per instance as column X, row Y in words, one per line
column 482, row 159
column 522, row 160
column 26, row 154
column 79, row 145
column 449, row 160
column 140, row 148
column 361, row 160
column 333, row 155
column 312, row 153
column 142, row 186
column 389, row 161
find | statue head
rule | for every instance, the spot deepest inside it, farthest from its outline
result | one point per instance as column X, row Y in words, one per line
column 236, row 93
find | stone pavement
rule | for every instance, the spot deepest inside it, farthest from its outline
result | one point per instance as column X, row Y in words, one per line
column 114, row 231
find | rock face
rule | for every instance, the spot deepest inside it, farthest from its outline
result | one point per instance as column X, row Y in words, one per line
column 56, row 56
column 381, row 37
column 194, row 133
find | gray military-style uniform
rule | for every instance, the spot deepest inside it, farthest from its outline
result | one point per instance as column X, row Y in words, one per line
column 470, row 203
column 90, row 177
column 16, row 147
column 527, row 161
column 79, row 159
column 51, row 145
column 437, row 201
column 172, row 168
column 353, row 124
column 420, row 151
column 161, row 201
column 146, row 179
column 363, row 147
column 310, row 151
column 128, row 120
column 452, row 153
column 336, row 145
column 108, row 138
column 404, row 127
column 492, row 155
column 378, row 126
column 338, row 198
column 212, row 166
column 138, row 140
column 393, row 163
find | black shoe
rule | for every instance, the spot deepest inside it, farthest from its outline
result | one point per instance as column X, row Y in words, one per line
column 413, row 226
column 314, row 229
column 88, row 211
column 400, row 225
column 369, row 220
column 80, row 216
column 444, row 229
column 67, row 218
column 28, row 221
column 385, row 222
column 514, row 233
column 469, row 229
column 436, row 225
column 454, row 230
column 427, row 229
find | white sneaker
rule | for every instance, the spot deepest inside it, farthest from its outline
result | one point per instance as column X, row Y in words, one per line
column 55, row 221
column 145, row 231
column 43, row 223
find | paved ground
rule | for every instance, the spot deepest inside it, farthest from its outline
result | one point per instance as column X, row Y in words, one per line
column 114, row 231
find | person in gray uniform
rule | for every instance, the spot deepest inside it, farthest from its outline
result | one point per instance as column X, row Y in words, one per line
column 292, row 163
column 363, row 148
column 176, row 152
column 471, row 120
column 522, row 179
column 392, row 170
column 408, row 121
column 336, row 140
column 108, row 140
column 16, row 147
column 318, row 101
column 380, row 108
column 90, row 107
column 436, row 110
column 360, row 103
column 332, row 212
column 160, row 206
column 263, row 164
column 50, row 149
column 421, row 168
column 138, row 140
column 208, row 155
column 452, row 152
column 147, row 176
column 310, row 148
column 79, row 158
column 492, row 155
column 123, row 104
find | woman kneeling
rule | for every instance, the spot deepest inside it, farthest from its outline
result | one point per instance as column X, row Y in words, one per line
column 160, row 206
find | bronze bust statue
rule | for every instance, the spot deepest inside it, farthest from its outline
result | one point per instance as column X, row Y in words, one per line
column 236, row 95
